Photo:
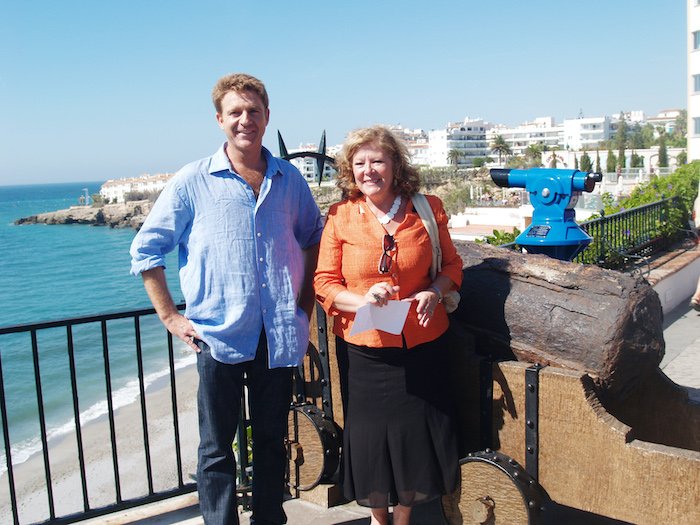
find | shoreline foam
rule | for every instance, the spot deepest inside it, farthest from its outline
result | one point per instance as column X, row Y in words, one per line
column 122, row 397
column 29, row 476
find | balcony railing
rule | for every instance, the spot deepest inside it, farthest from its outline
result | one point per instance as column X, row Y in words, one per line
column 57, row 363
column 636, row 232
column 69, row 367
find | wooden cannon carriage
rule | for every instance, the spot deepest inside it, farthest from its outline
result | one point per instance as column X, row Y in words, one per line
column 564, row 414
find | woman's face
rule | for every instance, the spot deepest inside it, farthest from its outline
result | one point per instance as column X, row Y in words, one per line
column 373, row 169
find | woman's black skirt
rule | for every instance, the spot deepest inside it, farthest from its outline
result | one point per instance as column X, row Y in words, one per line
column 399, row 443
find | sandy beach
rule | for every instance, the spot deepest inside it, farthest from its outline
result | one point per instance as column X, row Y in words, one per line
column 31, row 490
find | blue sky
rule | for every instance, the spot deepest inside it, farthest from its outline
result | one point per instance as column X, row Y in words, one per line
column 92, row 90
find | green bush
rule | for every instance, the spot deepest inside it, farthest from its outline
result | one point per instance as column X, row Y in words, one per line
column 500, row 237
column 455, row 201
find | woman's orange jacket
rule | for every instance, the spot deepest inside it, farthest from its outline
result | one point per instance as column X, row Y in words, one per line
column 351, row 246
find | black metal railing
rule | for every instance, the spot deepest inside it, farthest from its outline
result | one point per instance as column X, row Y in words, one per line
column 100, row 343
column 84, row 339
column 636, row 232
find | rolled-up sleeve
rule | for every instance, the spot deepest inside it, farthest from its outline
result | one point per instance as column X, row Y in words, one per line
column 451, row 261
column 162, row 230
column 328, row 280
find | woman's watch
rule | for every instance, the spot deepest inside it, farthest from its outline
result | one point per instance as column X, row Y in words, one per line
column 437, row 291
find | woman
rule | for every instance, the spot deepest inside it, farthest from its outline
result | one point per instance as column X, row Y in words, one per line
column 399, row 443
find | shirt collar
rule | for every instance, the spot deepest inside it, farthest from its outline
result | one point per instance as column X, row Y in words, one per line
column 220, row 162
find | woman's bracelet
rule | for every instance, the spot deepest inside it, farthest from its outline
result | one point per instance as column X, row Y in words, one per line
column 437, row 291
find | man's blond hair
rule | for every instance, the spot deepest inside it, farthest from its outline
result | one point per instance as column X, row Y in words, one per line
column 238, row 82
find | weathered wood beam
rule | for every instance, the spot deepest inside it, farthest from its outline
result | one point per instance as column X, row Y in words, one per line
column 579, row 317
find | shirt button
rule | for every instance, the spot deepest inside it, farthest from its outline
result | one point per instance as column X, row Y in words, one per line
column 261, row 259
column 264, row 285
column 259, row 234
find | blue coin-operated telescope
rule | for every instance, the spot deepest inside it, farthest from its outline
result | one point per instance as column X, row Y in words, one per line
column 553, row 195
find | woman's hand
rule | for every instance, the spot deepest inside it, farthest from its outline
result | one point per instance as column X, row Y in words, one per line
column 380, row 294
column 427, row 302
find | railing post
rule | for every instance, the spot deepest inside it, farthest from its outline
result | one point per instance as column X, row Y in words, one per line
column 173, row 403
column 601, row 232
column 76, row 417
column 326, row 396
column 8, row 451
column 42, row 425
column 110, row 410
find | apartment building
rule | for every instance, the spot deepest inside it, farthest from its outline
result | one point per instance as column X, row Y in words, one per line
column 578, row 134
column 416, row 141
column 308, row 166
column 665, row 120
column 467, row 137
column 693, row 35
column 575, row 134
column 542, row 130
column 585, row 133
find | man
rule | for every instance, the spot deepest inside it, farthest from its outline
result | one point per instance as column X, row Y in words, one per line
column 247, row 230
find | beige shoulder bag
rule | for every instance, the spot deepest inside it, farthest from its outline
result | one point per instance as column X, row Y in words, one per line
column 420, row 203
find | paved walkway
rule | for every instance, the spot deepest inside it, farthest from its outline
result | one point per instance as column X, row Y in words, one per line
column 682, row 360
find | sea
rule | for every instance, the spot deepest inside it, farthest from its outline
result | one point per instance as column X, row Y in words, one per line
column 56, row 272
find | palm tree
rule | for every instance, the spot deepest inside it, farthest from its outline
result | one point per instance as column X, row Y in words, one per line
column 533, row 154
column 501, row 147
column 554, row 159
column 453, row 157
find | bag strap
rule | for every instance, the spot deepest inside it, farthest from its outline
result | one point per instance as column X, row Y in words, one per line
column 422, row 206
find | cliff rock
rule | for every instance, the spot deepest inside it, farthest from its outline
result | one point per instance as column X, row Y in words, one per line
column 130, row 214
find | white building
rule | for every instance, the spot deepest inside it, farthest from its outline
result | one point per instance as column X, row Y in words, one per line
column 574, row 134
column 636, row 116
column 473, row 139
column 467, row 137
column 542, row 130
column 587, row 132
column 115, row 190
column 417, row 143
column 308, row 165
column 693, row 37
column 665, row 120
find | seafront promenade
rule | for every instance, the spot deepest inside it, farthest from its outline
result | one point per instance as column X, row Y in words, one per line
column 681, row 364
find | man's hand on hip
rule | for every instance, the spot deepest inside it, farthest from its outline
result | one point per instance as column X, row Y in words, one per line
column 180, row 327
column 176, row 323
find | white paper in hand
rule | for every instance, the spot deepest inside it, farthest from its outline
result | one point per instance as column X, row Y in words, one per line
column 389, row 318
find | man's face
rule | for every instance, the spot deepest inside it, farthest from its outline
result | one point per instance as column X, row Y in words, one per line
column 243, row 119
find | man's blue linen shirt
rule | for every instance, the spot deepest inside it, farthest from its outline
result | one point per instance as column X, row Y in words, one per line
column 240, row 259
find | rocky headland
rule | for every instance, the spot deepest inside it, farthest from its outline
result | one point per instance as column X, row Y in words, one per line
column 131, row 214
column 127, row 215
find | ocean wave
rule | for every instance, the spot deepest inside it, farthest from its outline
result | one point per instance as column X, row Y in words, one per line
column 122, row 397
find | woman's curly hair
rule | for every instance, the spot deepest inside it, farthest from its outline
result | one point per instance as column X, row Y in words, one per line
column 406, row 178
